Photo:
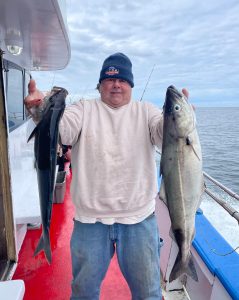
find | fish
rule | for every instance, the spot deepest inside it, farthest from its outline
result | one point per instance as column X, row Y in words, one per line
column 46, row 135
column 182, row 176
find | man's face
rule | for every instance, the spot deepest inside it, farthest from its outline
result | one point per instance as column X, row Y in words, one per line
column 115, row 92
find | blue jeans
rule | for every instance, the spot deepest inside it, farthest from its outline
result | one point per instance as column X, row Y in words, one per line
column 137, row 247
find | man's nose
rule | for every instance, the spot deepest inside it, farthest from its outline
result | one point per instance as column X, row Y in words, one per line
column 116, row 82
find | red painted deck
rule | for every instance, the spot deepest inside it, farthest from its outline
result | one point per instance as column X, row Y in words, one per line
column 52, row 282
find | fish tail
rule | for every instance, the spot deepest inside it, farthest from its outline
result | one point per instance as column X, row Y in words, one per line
column 44, row 245
column 181, row 267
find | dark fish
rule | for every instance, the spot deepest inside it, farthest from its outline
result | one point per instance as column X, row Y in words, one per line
column 45, row 149
column 182, row 177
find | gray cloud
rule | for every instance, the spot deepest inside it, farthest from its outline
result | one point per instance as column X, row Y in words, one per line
column 192, row 44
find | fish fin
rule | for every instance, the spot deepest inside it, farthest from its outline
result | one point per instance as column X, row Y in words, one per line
column 32, row 134
column 190, row 142
column 181, row 268
column 162, row 192
column 44, row 245
column 195, row 152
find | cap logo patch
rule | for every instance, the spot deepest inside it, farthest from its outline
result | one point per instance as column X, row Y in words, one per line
column 112, row 71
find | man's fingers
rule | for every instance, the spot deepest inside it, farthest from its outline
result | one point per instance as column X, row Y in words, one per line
column 31, row 103
column 34, row 97
column 185, row 92
column 32, row 86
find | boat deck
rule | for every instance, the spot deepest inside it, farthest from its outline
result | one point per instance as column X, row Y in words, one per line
column 52, row 282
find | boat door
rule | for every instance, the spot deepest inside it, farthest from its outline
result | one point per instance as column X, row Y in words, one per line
column 7, row 239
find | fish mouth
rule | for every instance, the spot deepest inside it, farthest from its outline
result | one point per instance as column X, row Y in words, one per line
column 172, row 91
column 172, row 95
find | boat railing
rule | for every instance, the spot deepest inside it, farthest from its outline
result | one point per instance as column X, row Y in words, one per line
column 15, row 115
column 231, row 210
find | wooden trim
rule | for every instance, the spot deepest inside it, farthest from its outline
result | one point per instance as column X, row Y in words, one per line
column 5, row 185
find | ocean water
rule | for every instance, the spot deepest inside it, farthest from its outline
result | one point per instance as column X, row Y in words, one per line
column 218, row 130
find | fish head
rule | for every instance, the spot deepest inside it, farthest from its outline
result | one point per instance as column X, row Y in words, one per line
column 58, row 96
column 179, row 117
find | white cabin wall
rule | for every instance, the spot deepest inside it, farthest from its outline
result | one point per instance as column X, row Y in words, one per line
column 219, row 292
column 26, row 207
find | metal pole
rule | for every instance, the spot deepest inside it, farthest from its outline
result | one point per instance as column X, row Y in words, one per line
column 232, row 211
column 230, row 192
column 147, row 82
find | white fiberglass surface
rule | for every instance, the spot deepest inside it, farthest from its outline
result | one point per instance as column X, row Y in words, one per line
column 23, row 175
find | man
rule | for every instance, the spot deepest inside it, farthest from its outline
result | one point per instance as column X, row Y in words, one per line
column 114, row 184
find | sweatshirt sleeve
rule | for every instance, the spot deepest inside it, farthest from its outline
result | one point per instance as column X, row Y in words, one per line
column 155, row 117
column 71, row 123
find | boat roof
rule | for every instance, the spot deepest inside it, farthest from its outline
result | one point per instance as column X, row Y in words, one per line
column 40, row 28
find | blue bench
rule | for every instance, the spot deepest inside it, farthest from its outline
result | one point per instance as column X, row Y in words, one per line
column 209, row 243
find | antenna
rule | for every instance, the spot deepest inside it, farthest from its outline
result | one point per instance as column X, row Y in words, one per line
column 147, row 82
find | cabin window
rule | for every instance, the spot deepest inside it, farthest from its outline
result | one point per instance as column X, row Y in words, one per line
column 26, row 81
column 14, row 93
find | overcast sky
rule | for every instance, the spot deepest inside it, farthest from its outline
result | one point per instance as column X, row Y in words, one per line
column 187, row 43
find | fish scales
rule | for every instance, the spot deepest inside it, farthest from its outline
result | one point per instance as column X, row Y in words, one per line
column 45, row 150
column 182, row 177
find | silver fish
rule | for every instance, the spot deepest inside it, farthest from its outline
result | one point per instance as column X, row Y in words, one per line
column 182, row 176
column 45, row 149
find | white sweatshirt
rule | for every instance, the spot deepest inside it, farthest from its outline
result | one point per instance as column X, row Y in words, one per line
column 113, row 159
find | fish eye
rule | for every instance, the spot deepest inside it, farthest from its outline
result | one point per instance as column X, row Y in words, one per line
column 177, row 107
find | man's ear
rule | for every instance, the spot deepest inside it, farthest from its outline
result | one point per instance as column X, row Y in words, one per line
column 98, row 87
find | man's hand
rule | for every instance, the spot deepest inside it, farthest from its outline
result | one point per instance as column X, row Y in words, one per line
column 186, row 94
column 35, row 97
